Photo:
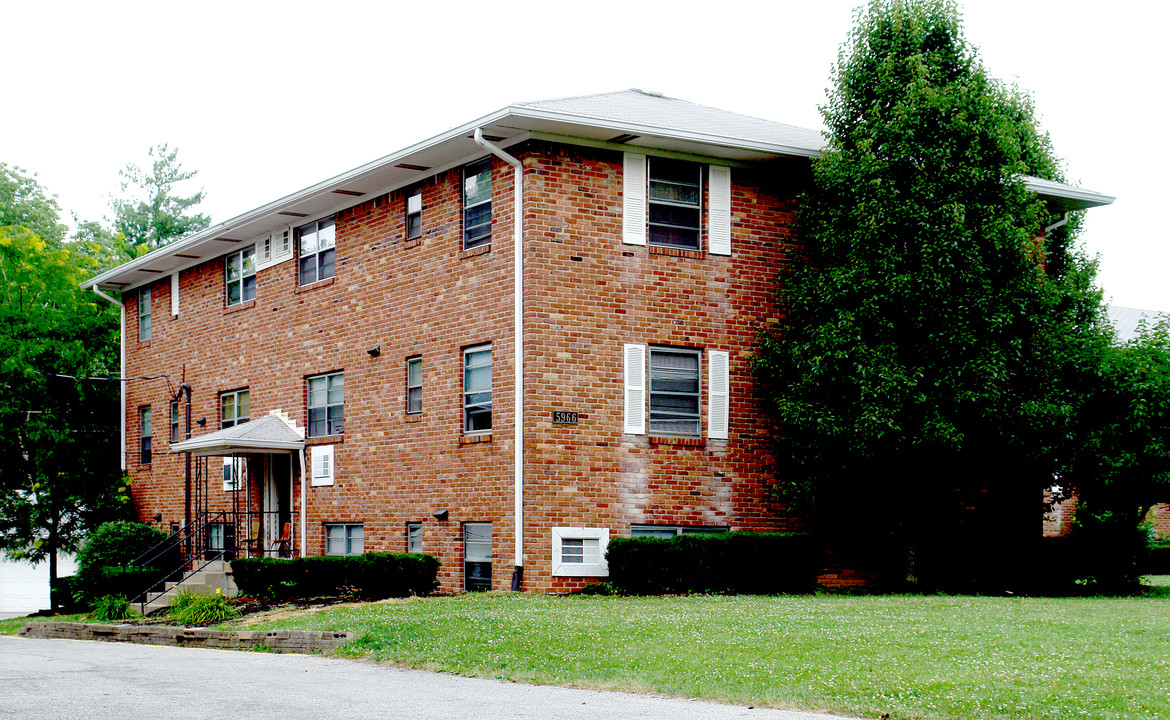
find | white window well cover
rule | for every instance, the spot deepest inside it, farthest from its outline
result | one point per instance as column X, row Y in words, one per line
column 580, row 551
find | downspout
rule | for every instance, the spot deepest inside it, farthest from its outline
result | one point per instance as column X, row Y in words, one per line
column 122, row 366
column 1053, row 226
column 518, row 359
column 302, row 456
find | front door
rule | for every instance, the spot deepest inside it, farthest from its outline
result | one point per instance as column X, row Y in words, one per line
column 277, row 506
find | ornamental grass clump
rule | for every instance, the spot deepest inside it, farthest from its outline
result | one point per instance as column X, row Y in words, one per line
column 189, row 608
column 110, row 608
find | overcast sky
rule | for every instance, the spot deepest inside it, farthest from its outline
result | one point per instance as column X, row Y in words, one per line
column 264, row 99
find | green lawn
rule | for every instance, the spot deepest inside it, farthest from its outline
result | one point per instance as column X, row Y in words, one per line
column 909, row 656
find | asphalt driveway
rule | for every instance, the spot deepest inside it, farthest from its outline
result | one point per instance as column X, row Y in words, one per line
column 58, row 679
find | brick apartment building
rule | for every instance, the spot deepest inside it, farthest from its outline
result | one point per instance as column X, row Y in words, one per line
column 355, row 358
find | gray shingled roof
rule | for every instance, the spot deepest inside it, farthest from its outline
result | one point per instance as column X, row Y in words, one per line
column 1126, row 320
column 268, row 434
column 656, row 110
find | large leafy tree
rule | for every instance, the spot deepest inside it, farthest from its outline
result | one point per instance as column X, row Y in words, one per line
column 150, row 213
column 23, row 203
column 926, row 371
column 59, row 470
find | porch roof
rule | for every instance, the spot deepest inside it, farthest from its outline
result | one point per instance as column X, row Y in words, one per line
column 268, row 434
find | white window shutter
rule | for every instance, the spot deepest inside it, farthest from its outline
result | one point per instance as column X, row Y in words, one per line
column 322, row 464
column 719, row 391
column 635, row 395
column 634, row 199
column 175, row 293
column 719, row 216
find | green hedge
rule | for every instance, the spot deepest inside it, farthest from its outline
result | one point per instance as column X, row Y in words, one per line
column 372, row 576
column 737, row 562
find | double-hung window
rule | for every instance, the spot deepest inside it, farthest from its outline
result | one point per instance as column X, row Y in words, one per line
column 144, row 315
column 234, row 408
column 144, row 433
column 326, row 405
column 477, row 204
column 477, row 389
column 414, row 216
column 240, row 276
column 344, row 539
column 675, row 203
column 174, row 421
column 316, row 249
column 674, row 392
column 414, row 385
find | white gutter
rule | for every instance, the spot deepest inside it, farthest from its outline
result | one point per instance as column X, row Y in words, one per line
column 518, row 345
column 122, row 366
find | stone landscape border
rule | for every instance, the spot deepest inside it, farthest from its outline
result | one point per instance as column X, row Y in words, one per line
column 289, row 641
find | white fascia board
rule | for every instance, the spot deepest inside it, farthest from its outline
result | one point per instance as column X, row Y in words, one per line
column 1080, row 198
column 666, row 132
column 321, row 188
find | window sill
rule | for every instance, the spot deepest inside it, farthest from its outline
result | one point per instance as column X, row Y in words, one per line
column 239, row 306
column 314, row 286
column 411, row 243
column 481, row 250
column 682, row 441
column 324, row 440
column 413, row 417
column 676, row 252
column 475, row 439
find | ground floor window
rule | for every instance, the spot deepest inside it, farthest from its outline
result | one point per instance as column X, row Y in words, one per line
column 414, row 537
column 669, row 531
column 344, row 539
column 477, row 556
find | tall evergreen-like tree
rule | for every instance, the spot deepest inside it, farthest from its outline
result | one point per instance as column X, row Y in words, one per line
column 927, row 367
column 150, row 213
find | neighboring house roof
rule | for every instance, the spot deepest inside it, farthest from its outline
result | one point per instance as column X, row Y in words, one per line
column 624, row 120
column 1126, row 320
column 268, row 434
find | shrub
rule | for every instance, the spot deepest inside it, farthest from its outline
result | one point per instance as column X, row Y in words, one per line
column 109, row 608
column 372, row 576
column 103, row 563
column 189, row 608
column 738, row 562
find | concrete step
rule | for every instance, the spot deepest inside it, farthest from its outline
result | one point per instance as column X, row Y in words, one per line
column 216, row 576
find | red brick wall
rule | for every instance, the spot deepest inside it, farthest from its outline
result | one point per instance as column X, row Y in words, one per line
column 428, row 298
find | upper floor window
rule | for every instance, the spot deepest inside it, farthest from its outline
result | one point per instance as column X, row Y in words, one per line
column 240, row 271
column 675, row 203
column 144, row 433
column 316, row 248
column 144, row 315
column 477, row 389
column 414, row 385
column 477, row 204
column 414, row 216
column 234, row 408
column 674, row 391
column 326, row 405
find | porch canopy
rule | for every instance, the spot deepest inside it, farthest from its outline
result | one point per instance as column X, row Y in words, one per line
column 269, row 434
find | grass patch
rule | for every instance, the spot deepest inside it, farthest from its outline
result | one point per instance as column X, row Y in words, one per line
column 13, row 625
column 909, row 656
